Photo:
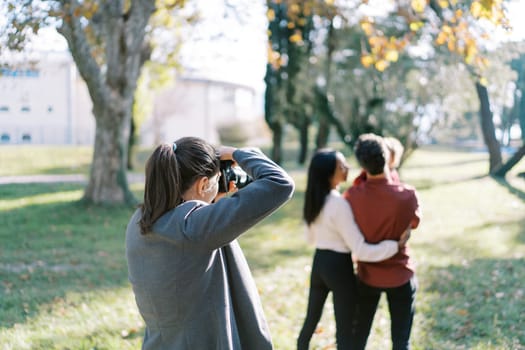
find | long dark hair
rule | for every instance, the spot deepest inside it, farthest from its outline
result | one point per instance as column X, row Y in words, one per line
column 170, row 171
column 320, row 172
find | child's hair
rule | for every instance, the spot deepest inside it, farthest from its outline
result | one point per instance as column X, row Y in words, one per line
column 396, row 150
column 170, row 171
column 320, row 172
column 371, row 153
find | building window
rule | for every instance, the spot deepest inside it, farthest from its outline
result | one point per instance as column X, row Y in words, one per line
column 4, row 108
column 26, row 137
column 25, row 109
column 30, row 73
column 5, row 137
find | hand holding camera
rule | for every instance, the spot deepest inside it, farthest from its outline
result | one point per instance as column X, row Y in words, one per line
column 229, row 171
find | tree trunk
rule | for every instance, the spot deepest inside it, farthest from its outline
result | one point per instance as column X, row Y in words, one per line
column 273, row 82
column 328, row 115
column 108, row 180
column 303, row 136
column 131, row 144
column 521, row 115
column 488, row 129
column 322, row 102
column 509, row 164
column 277, row 137
column 111, row 79
column 322, row 132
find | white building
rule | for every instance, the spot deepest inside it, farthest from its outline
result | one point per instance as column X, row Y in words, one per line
column 47, row 102
column 204, row 108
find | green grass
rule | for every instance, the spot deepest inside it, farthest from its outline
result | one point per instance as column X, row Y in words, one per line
column 63, row 276
column 42, row 160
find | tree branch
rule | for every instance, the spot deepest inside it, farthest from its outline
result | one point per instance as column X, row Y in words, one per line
column 71, row 29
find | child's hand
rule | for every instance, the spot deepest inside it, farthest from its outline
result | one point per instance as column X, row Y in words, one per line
column 404, row 238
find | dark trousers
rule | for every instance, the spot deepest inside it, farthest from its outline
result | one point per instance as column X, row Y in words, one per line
column 331, row 272
column 401, row 304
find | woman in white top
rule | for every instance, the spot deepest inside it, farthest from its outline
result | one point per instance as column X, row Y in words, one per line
column 331, row 227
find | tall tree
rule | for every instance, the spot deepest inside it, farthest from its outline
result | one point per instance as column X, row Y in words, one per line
column 517, row 64
column 107, row 40
column 291, row 46
column 452, row 24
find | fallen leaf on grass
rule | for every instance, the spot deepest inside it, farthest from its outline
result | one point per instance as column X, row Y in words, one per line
column 319, row 330
column 125, row 333
column 462, row 312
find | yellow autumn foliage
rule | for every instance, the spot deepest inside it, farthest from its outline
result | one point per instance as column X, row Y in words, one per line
column 296, row 38
column 441, row 38
column 418, row 5
column 392, row 55
column 367, row 27
column 270, row 14
column 367, row 60
column 381, row 65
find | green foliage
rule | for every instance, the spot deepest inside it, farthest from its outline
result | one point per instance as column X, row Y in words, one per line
column 63, row 276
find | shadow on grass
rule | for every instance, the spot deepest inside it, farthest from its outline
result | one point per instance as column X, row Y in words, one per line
column 16, row 191
column 505, row 226
column 479, row 302
column 48, row 250
column 426, row 184
column 445, row 164
column 513, row 190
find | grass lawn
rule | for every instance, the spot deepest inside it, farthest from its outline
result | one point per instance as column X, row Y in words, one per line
column 63, row 276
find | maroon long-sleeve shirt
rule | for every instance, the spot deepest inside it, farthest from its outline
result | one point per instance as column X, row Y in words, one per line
column 383, row 210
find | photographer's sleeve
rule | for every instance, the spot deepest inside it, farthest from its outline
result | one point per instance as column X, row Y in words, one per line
column 220, row 223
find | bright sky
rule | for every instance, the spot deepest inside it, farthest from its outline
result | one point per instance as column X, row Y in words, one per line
column 515, row 14
column 232, row 43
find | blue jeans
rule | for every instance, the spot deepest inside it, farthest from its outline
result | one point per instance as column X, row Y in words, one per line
column 331, row 272
column 401, row 304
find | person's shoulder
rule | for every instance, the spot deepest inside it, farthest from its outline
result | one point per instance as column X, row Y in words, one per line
column 190, row 206
column 335, row 201
column 355, row 188
column 332, row 197
column 406, row 190
column 184, row 210
column 407, row 187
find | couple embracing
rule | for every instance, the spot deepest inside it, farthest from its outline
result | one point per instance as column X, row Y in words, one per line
column 370, row 223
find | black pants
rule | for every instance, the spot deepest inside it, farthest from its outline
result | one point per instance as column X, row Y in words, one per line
column 331, row 272
column 401, row 304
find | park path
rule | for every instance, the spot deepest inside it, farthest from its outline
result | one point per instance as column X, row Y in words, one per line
column 54, row 178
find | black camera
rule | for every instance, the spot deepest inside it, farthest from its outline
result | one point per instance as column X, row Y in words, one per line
column 231, row 173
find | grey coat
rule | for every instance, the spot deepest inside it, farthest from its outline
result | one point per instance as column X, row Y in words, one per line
column 191, row 281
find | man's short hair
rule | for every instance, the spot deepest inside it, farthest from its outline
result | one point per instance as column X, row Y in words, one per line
column 370, row 151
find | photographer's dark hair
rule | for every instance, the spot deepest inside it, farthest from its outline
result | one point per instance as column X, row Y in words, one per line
column 370, row 152
column 170, row 171
column 320, row 172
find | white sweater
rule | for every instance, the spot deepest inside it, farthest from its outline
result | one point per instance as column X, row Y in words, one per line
column 335, row 229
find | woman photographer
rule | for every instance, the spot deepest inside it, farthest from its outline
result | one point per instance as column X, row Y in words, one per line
column 192, row 284
column 331, row 227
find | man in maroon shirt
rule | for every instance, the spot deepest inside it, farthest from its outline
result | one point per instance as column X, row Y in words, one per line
column 383, row 210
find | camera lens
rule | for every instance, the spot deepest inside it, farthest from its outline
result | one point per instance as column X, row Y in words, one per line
column 230, row 173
